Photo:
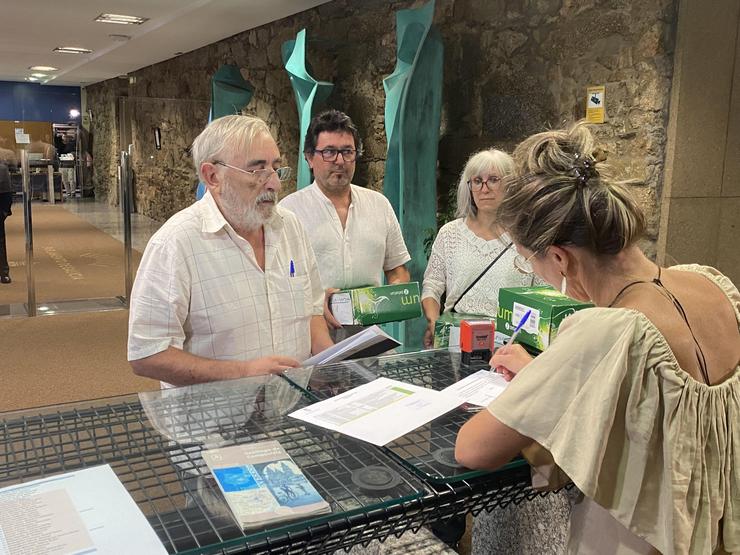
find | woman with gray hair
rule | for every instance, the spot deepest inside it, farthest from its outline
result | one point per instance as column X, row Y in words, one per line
column 465, row 246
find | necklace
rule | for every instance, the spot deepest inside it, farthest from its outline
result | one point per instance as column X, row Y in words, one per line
column 655, row 280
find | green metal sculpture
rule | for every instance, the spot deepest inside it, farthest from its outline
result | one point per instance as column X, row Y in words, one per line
column 308, row 93
column 230, row 92
column 412, row 117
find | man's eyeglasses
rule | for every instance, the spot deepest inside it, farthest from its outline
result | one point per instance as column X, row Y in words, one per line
column 476, row 183
column 261, row 176
column 524, row 265
column 330, row 154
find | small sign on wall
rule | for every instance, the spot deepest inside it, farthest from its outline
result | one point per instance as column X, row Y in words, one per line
column 595, row 104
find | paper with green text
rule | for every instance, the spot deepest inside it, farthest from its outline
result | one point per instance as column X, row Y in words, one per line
column 380, row 411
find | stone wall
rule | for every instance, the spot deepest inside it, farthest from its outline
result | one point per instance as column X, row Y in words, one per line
column 512, row 68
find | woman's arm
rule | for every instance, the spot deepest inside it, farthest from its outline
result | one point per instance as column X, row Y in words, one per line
column 485, row 443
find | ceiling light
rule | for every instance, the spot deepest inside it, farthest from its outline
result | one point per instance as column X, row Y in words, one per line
column 74, row 113
column 72, row 50
column 120, row 19
column 42, row 68
column 39, row 75
column 32, row 79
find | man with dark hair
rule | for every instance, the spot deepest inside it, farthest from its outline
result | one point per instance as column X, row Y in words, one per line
column 353, row 230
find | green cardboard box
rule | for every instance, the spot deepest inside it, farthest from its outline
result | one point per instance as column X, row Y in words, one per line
column 376, row 305
column 447, row 328
column 548, row 306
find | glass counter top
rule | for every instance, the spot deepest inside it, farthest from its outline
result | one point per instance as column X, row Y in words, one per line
column 430, row 449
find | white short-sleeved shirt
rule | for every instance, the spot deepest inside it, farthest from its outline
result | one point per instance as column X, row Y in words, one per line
column 458, row 257
column 199, row 289
column 370, row 243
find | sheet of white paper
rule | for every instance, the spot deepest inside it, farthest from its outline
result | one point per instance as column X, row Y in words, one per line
column 87, row 511
column 478, row 389
column 352, row 344
column 380, row 411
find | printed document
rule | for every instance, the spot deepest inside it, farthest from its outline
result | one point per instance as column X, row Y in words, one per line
column 478, row 389
column 369, row 342
column 87, row 511
column 380, row 411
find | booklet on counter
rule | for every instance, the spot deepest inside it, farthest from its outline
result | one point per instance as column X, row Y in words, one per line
column 369, row 342
column 262, row 484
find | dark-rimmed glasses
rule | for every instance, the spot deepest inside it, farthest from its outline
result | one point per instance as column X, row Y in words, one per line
column 331, row 154
column 476, row 183
column 262, row 175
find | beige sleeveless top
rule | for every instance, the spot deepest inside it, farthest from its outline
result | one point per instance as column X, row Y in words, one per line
column 656, row 449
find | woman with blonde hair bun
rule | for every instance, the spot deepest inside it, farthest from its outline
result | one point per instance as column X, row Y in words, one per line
column 637, row 401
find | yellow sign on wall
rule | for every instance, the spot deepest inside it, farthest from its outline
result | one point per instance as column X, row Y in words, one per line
column 595, row 104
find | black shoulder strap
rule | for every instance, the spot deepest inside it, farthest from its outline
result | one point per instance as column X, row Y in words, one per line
column 476, row 280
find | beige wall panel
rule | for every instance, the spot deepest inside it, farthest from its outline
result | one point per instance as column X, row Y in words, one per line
column 692, row 231
column 731, row 182
column 728, row 251
column 706, row 62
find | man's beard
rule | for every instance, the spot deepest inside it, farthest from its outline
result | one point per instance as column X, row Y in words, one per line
column 244, row 215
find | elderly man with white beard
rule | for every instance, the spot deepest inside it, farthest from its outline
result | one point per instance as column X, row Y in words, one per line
column 229, row 286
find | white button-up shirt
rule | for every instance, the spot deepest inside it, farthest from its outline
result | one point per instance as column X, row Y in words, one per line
column 199, row 288
column 370, row 243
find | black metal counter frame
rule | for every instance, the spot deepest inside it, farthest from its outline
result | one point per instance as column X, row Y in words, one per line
column 153, row 442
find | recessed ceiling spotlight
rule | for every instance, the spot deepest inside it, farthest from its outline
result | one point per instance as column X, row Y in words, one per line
column 120, row 19
column 120, row 38
column 74, row 113
column 42, row 68
column 72, row 50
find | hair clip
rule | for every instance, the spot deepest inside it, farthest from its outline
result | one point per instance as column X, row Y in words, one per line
column 584, row 168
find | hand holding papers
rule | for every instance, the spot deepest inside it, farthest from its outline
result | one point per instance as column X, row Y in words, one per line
column 369, row 342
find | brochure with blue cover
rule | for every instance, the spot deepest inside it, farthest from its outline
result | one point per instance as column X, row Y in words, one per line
column 262, row 484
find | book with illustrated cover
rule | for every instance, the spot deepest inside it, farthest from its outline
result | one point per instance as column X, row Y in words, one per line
column 262, row 484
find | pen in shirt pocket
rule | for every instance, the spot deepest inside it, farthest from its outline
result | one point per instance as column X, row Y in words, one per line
column 292, row 269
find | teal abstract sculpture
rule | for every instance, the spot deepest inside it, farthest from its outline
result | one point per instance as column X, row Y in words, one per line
column 230, row 92
column 412, row 117
column 308, row 93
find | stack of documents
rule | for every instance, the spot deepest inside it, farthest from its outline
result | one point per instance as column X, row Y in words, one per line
column 368, row 343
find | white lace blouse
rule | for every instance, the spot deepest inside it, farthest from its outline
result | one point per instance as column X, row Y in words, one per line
column 458, row 257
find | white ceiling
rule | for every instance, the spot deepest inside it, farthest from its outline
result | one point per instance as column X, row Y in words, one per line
column 31, row 29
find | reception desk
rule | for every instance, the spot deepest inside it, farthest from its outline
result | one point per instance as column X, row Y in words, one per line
column 153, row 442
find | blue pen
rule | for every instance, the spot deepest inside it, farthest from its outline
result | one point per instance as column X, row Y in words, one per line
column 292, row 269
column 519, row 326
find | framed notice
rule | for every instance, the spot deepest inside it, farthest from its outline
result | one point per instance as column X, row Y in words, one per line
column 595, row 104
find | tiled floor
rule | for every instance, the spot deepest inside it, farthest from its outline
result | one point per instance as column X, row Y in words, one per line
column 109, row 219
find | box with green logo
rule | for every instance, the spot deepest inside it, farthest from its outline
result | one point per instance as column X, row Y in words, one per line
column 376, row 305
column 549, row 308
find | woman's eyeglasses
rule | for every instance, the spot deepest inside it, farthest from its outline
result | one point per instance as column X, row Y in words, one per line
column 524, row 265
column 476, row 183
